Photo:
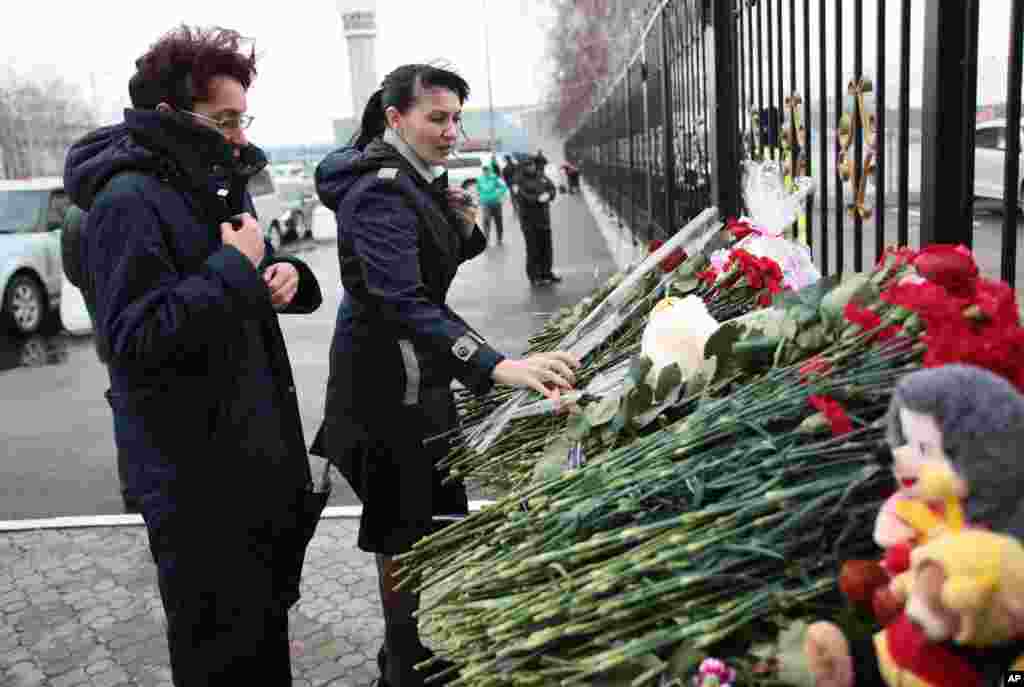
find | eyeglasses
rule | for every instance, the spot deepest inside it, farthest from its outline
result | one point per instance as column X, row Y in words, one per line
column 227, row 122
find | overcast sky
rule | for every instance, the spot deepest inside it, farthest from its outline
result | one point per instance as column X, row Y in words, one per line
column 303, row 81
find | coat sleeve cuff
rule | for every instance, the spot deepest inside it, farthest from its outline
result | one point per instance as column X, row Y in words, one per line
column 475, row 371
column 309, row 297
column 241, row 278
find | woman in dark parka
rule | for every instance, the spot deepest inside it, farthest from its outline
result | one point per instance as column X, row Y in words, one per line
column 397, row 347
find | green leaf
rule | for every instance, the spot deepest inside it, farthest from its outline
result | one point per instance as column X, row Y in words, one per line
column 668, row 379
column 579, row 427
column 813, row 339
column 790, row 328
column 639, row 368
column 757, row 347
column 684, row 660
column 720, row 345
column 601, row 412
column 814, row 424
column 691, row 266
column 857, row 287
column 638, row 400
column 684, row 286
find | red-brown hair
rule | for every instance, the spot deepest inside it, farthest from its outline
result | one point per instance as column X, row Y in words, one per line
column 177, row 69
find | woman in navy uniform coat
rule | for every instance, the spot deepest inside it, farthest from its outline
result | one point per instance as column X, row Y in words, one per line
column 397, row 347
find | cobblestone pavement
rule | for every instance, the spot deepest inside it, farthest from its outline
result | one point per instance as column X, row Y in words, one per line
column 81, row 607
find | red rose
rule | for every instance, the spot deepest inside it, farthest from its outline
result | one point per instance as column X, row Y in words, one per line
column 951, row 267
column 859, row 579
column 900, row 256
column 815, row 366
column 834, row 413
column 672, row 261
column 740, row 228
column 997, row 301
column 932, row 302
column 860, row 315
column 708, row 276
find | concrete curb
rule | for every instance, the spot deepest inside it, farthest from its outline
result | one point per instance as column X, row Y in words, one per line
column 135, row 520
column 617, row 235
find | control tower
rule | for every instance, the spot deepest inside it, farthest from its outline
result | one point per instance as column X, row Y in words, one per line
column 359, row 22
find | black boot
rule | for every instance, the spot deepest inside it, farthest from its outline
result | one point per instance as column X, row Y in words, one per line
column 402, row 649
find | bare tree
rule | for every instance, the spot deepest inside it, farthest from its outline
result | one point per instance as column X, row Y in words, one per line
column 590, row 43
column 38, row 123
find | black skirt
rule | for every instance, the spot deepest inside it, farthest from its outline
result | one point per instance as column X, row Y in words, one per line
column 389, row 456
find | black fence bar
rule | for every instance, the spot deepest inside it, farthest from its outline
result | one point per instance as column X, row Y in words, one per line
column 1013, row 190
column 669, row 219
column 759, row 122
column 858, row 137
column 717, row 81
column 880, row 133
column 805, row 144
column 767, row 123
column 823, row 136
column 781, row 89
column 947, row 152
column 839, row 93
column 724, row 121
column 903, row 206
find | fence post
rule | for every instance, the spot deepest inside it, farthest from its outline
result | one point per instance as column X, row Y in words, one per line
column 947, row 129
column 725, row 122
column 668, row 127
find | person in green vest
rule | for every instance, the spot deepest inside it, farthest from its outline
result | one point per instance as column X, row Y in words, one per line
column 492, row 192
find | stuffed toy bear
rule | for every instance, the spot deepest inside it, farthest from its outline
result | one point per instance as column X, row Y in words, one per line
column 963, row 624
column 959, row 417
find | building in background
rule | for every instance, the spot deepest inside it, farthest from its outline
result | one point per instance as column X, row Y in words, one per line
column 359, row 24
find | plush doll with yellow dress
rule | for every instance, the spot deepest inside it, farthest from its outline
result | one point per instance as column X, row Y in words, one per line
column 957, row 417
column 963, row 622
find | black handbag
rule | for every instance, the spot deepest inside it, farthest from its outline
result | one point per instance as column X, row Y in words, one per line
column 308, row 511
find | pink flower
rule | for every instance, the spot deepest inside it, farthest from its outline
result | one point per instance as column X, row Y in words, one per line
column 712, row 671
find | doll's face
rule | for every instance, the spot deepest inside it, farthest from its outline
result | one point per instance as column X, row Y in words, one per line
column 923, row 447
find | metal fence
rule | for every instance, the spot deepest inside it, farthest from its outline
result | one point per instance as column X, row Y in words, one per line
column 825, row 87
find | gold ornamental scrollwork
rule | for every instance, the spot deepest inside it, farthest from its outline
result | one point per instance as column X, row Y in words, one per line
column 859, row 119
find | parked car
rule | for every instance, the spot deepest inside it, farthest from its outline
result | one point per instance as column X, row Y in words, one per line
column 269, row 206
column 990, row 161
column 466, row 166
column 295, row 185
column 31, row 217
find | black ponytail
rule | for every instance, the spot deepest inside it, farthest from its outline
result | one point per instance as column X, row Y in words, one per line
column 399, row 90
column 373, row 124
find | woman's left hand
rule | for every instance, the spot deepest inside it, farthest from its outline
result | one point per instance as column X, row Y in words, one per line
column 282, row 280
column 464, row 206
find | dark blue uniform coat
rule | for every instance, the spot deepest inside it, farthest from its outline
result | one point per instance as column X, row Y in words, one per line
column 397, row 345
column 205, row 413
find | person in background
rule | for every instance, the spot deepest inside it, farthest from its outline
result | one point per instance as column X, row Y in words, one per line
column 492, row 192
column 572, row 176
column 535, row 193
column 542, row 161
column 187, row 294
column 509, row 173
column 397, row 347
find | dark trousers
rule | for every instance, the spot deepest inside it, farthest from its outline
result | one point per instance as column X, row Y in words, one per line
column 225, row 626
column 493, row 212
column 538, row 250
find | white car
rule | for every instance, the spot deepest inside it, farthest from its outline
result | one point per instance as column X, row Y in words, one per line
column 990, row 161
column 463, row 167
column 270, row 206
column 31, row 218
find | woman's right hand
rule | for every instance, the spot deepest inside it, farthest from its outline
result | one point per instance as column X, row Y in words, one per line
column 548, row 373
